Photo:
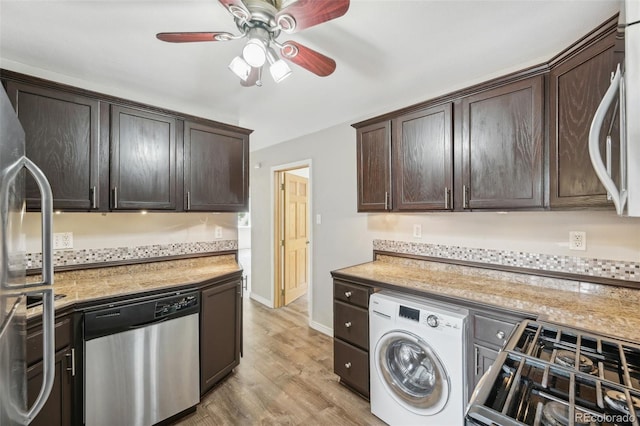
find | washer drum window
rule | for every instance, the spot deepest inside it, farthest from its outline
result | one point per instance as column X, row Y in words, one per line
column 412, row 372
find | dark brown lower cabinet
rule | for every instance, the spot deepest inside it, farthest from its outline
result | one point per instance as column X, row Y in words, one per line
column 351, row 335
column 57, row 410
column 220, row 332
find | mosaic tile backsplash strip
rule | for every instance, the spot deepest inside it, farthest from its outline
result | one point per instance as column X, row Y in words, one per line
column 102, row 255
column 603, row 268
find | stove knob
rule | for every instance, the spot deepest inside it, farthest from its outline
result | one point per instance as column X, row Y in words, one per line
column 433, row 321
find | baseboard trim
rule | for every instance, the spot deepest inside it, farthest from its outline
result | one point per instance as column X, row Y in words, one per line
column 321, row 328
column 260, row 299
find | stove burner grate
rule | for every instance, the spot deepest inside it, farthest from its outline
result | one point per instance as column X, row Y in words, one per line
column 568, row 359
column 617, row 401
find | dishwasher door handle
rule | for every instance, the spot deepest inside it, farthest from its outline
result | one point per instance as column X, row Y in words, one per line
column 144, row 324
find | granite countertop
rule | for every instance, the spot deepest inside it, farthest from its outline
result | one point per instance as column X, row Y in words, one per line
column 608, row 310
column 93, row 285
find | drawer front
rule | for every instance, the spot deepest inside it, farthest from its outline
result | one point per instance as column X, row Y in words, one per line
column 352, row 365
column 492, row 331
column 351, row 324
column 34, row 339
column 354, row 294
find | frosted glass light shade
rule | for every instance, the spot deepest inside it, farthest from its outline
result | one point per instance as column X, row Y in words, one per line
column 240, row 67
column 255, row 53
column 279, row 70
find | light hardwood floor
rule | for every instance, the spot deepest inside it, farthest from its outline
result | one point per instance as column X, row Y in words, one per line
column 285, row 378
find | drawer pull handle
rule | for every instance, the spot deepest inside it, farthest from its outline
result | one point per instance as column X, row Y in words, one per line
column 347, row 324
column 347, row 294
column 348, row 365
column 500, row 335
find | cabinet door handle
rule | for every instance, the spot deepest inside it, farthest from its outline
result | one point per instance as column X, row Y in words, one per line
column 465, row 198
column 446, row 198
column 347, row 365
column 71, row 362
column 347, row 324
column 477, row 353
column 115, row 197
column 347, row 294
column 386, row 200
column 188, row 200
column 94, row 203
column 500, row 335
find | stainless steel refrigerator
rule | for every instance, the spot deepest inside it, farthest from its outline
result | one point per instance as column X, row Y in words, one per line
column 14, row 409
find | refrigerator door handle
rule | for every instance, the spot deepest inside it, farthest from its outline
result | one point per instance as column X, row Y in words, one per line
column 619, row 197
column 48, row 314
column 46, row 209
column 48, row 359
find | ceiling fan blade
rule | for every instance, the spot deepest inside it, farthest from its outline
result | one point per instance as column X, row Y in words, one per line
column 190, row 37
column 253, row 79
column 307, row 13
column 308, row 58
column 237, row 8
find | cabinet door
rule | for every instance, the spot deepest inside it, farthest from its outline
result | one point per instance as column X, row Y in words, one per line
column 502, row 146
column 422, row 160
column 216, row 169
column 484, row 358
column 57, row 409
column 576, row 89
column 62, row 138
column 143, row 160
column 374, row 167
column 220, row 333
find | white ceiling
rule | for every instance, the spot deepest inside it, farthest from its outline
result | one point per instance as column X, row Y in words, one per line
column 390, row 54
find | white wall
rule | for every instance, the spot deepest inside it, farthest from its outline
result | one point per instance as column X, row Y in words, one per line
column 111, row 230
column 345, row 237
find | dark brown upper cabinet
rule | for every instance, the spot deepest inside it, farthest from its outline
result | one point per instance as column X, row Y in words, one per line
column 502, row 146
column 374, row 167
column 578, row 81
column 216, row 173
column 143, row 160
column 423, row 160
column 62, row 137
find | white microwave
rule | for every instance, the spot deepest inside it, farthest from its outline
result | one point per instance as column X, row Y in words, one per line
column 626, row 84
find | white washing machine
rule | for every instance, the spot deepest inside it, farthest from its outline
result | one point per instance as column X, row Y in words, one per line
column 417, row 360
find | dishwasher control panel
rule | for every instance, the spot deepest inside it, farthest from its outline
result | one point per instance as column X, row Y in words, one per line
column 132, row 314
column 176, row 304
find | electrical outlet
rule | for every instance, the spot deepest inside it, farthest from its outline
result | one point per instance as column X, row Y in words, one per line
column 417, row 231
column 218, row 232
column 577, row 240
column 62, row 240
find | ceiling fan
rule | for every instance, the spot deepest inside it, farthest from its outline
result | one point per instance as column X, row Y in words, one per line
column 261, row 22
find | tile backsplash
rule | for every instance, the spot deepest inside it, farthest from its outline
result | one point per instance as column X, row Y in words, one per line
column 603, row 268
column 102, row 255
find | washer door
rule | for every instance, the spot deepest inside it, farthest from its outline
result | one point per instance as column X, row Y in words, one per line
column 412, row 373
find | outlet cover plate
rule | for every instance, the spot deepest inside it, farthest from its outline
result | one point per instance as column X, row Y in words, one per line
column 577, row 240
column 62, row 240
column 417, row 231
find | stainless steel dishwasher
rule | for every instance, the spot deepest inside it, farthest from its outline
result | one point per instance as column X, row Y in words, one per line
column 141, row 360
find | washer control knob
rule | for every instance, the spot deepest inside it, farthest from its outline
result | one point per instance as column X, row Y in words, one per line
column 433, row 321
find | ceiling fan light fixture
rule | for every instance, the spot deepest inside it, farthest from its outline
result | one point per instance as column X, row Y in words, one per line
column 240, row 67
column 278, row 68
column 255, row 53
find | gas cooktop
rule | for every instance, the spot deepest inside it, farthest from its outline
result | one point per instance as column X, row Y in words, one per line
column 550, row 375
